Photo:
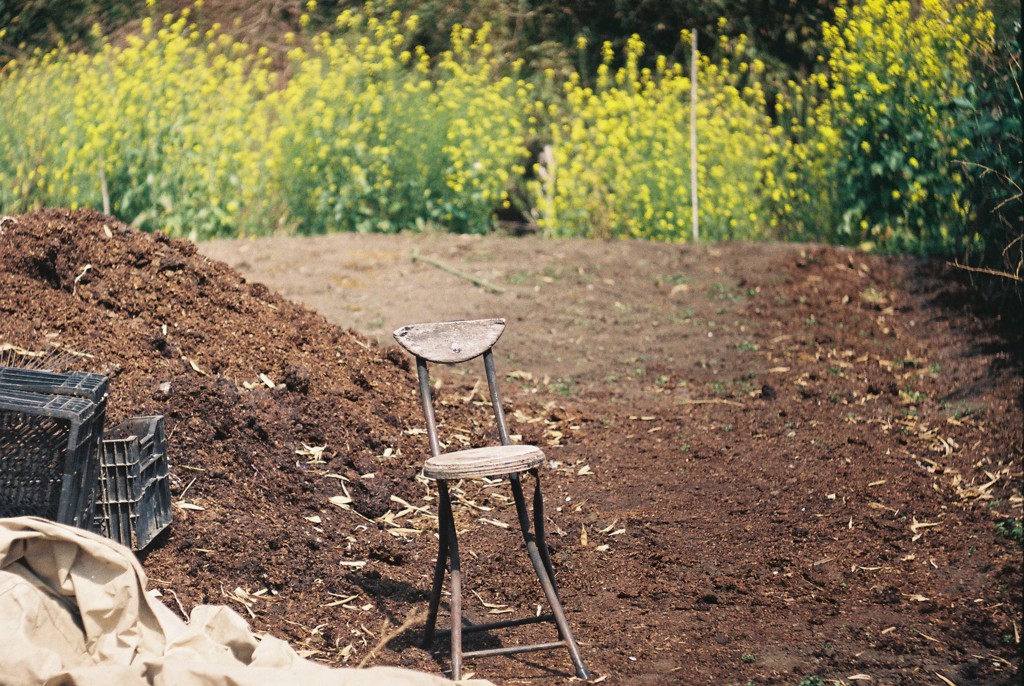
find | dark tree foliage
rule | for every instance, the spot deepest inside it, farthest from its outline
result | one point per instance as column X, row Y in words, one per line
column 43, row 24
column 785, row 33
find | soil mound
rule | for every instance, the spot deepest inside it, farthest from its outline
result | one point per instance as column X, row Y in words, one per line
column 271, row 412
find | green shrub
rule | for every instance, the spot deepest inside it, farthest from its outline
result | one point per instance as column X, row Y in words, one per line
column 992, row 168
column 875, row 149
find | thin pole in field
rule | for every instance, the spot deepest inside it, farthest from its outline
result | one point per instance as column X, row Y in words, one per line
column 693, row 136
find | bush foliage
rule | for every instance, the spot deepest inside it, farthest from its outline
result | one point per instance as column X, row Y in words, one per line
column 875, row 160
column 619, row 159
column 370, row 134
column 906, row 138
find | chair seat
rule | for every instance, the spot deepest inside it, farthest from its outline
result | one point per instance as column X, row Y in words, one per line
column 496, row 460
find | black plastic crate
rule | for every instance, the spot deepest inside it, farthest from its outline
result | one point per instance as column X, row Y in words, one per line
column 78, row 384
column 49, row 455
column 134, row 504
column 92, row 387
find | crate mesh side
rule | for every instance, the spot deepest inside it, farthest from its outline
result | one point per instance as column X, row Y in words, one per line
column 31, row 464
column 135, row 497
column 49, row 458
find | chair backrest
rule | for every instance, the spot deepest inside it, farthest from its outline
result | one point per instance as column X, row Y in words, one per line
column 452, row 343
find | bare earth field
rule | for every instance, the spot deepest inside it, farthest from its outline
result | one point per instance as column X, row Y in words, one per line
column 767, row 462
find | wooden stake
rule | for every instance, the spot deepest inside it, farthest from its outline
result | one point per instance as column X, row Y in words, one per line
column 693, row 136
column 103, row 187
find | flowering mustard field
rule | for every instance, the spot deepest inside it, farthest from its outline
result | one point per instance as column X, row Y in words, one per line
column 619, row 161
column 874, row 158
column 370, row 134
column 170, row 125
column 194, row 133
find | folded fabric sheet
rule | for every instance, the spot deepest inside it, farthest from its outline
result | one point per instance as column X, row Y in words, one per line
column 74, row 612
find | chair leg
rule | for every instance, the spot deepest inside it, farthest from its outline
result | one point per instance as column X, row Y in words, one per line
column 455, row 583
column 444, row 517
column 538, row 525
column 544, row 574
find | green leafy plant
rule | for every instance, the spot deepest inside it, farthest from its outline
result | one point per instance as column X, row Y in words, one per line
column 1011, row 528
column 136, row 127
column 371, row 134
column 992, row 244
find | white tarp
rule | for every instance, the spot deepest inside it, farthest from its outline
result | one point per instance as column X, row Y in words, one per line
column 74, row 611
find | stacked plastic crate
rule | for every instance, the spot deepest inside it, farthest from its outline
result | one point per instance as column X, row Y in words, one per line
column 50, row 430
column 56, row 463
column 135, row 488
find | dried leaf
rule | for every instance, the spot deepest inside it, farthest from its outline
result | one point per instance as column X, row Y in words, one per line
column 195, row 367
column 78, row 278
column 916, row 525
column 189, row 506
column 315, row 453
column 583, row 535
column 398, row 532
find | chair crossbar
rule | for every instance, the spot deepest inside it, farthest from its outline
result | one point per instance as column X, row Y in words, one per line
column 512, row 650
column 472, row 628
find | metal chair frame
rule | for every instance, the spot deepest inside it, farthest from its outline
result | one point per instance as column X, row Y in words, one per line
column 448, row 544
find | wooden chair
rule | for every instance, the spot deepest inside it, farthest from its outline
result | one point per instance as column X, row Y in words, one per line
column 453, row 343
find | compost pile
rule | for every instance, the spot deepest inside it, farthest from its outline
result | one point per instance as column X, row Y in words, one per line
column 287, row 436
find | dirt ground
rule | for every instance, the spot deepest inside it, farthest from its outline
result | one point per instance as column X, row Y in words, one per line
column 767, row 463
